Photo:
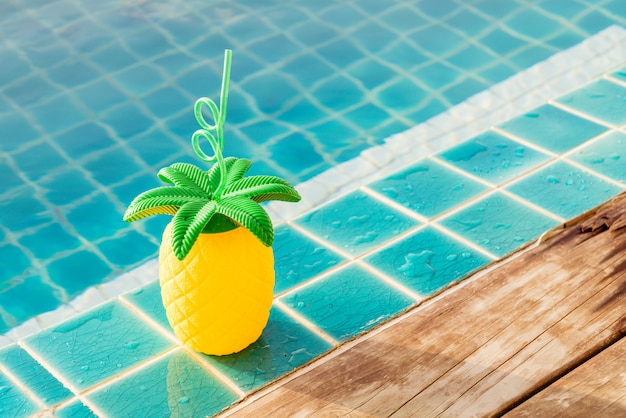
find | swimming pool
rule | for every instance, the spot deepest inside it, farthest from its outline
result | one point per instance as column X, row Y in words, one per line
column 96, row 97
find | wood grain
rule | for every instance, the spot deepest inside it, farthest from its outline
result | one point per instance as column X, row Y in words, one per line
column 485, row 347
column 595, row 389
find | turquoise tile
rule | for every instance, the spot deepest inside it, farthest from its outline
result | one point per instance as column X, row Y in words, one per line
column 74, row 409
column 32, row 375
column 284, row 346
column 77, row 271
column 493, row 157
column 97, row 345
column 552, row 128
column 356, row 222
column 347, row 302
column 605, row 156
column 40, row 295
column 298, row 258
column 564, row 190
column 43, row 248
column 13, row 402
column 428, row 188
column 427, row 261
column 499, row 224
column 601, row 99
column 148, row 299
column 176, row 385
column 116, row 250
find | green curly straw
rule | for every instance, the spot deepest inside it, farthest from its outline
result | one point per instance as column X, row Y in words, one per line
column 219, row 116
column 216, row 200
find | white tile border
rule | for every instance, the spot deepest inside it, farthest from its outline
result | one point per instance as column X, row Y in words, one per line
column 549, row 79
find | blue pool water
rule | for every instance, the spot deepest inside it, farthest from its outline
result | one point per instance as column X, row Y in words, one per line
column 96, row 96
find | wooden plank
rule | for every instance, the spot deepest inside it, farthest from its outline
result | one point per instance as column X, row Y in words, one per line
column 483, row 347
column 596, row 388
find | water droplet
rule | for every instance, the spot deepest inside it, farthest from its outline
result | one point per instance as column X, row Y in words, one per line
column 466, row 255
column 451, row 257
column 85, row 367
column 131, row 345
column 614, row 156
column 581, row 188
column 518, row 239
column 553, row 180
column 184, row 399
column 458, row 187
column 336, row 224
column 470, row 223
column 486, row 241
column 594, row 159
column 300, row 304
column 4, row 389
column 361, row 239
column 520, row 150
column 358, row 220
column 532, row 115
column 502, row 226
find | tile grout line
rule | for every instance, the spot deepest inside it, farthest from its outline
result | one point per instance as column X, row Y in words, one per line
column 417, row 298
column 305, row 323
column 580, row 113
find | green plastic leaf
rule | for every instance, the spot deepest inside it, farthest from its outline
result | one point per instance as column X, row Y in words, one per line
column 238, row 170
column 186, row 175
column 189, row 222
column 249, row 214
column 161, row 200
column 262, row 188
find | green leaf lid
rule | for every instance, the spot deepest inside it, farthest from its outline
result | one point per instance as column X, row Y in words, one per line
column 216, row 200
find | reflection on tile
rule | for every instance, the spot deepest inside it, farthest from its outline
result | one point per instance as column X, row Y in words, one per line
column 298, row 258
column 498, row 223
column 605, row 156
column 176, row 385
column 356, row 222
column 348, row 302
column 602, row 99
column 283, row 346
column 493, row 157
column 564, row 189
column 148, row 299
column 428, row 188
column 552, row 128
column 97, row 344
column 427, row 261
column 14, row 402
column 74, row 409
column 30, row 373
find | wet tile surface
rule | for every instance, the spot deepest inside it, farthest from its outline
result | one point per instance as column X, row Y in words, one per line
column 493, row 157
column 498, row 224
column 601, row 99
column 553, row 129
column 606, row 156
column 33, row 375
column 15, row 403
column 564, row 190
column 356, row 223
column 427, row 261
column 347, row 302
column 97, row 345
column 428, row 188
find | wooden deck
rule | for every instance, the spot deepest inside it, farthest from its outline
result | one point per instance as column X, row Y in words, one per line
column 539, row 335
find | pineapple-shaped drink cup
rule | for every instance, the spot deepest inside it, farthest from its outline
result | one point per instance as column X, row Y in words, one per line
column 216, row 264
